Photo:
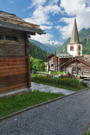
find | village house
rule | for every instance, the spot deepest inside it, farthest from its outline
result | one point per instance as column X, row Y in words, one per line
column 14, row 59
column 74, row 61
column 56, row 60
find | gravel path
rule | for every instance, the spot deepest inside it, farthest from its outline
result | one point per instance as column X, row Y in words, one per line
column 51, row 89
column 67, row 116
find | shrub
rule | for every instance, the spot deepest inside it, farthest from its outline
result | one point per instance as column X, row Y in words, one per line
column 37, row 64
column 69, row 83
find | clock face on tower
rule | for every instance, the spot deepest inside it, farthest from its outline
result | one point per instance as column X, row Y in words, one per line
column 71, row 48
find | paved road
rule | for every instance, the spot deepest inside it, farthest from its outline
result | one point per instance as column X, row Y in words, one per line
column 51, row 89
column 68, row 116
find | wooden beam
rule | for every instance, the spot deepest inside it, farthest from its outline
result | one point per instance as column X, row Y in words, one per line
column 27, row 61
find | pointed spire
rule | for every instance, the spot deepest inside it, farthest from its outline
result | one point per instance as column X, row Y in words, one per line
column 75, row 35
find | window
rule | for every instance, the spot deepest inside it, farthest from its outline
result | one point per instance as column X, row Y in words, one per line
column 1, row 37
column 13, row 38
column 71, row 48
column 78, row 53
column 51, row 65
column 79, row 47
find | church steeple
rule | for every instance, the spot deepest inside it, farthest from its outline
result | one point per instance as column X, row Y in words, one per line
column 75, row 47
column 75, row 35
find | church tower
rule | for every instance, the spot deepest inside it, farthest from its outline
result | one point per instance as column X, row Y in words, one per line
column 75, row 48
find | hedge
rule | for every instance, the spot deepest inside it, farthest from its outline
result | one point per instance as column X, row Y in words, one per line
column 71, row 83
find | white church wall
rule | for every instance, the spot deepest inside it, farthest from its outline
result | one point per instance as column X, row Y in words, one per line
column 75, row 51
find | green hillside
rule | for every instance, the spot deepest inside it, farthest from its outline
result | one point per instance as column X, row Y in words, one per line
column 37, row 52
column 85, row 40
column 84, row 35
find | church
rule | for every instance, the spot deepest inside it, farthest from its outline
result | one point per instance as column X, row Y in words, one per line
column 74, row 61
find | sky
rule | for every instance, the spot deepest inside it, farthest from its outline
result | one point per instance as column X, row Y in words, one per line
column 56, row 17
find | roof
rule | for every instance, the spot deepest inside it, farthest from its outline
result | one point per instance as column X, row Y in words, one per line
column 75, row 35
column 11, row 21
column 51, row 55
column 87, row 57
column 74, row 59
column 64, row 55
column 61, row 55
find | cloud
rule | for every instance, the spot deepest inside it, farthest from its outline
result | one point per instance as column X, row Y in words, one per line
column 65, row 31
column 45, row 9
column 44, row 38
column 80, row 8
column 54, row 9
column 39, row 17
column 74, row 7
column 43, row 3
column 41, row 14
column 51, row 2
column 54, row 42
column 46, row 27
column 37, row 3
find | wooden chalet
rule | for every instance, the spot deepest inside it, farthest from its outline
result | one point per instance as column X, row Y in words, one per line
column 14, row 60
column 55, row 61
column 77, row 66
column 73, row 65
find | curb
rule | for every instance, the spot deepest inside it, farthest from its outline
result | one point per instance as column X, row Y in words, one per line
column 38, row 105
column 7, row 94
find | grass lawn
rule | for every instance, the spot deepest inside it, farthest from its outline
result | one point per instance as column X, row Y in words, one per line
column 87, row 133
column 15, row 103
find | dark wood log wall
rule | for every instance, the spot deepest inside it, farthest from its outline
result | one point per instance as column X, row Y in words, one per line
column 14, row 64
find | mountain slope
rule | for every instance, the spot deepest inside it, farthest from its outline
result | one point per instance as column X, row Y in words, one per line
column 84, row 35
column 37, row 52
column 85, row 40
column 46, row 47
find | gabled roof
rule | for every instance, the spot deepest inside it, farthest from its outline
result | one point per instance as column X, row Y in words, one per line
column 87, row 57
column 51, row 55
column 74, row 59
column 61, row 55
column 11, row 21
column 64, row 55
column 75, row 35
